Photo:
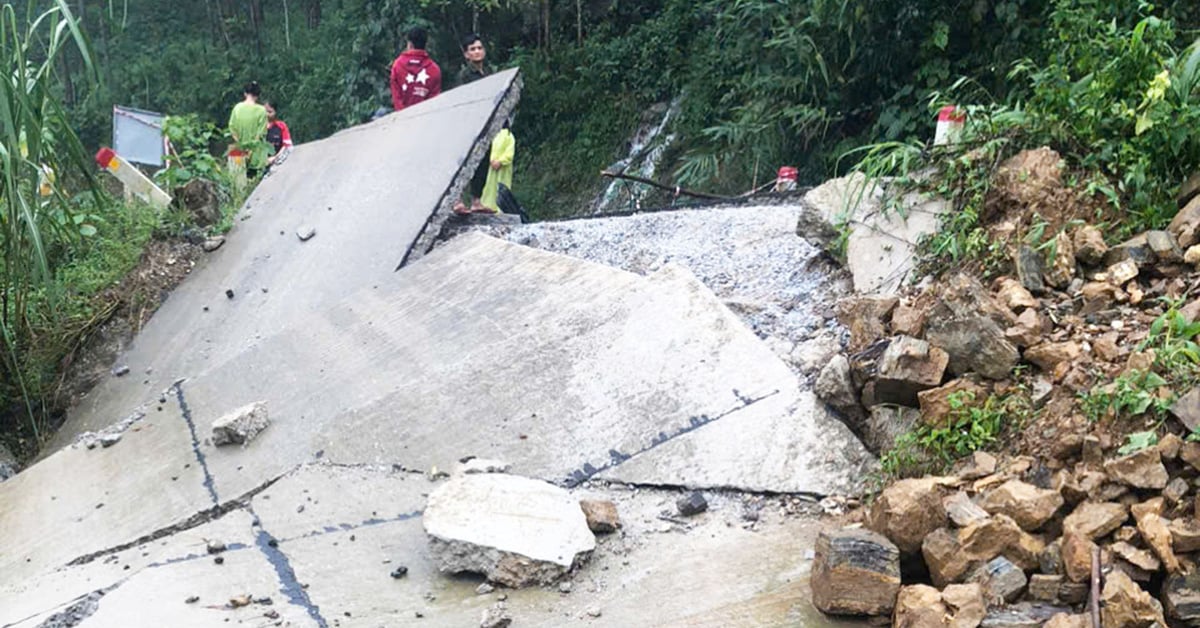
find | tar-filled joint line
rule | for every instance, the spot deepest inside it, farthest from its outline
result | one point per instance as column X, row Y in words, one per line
column 187, row 416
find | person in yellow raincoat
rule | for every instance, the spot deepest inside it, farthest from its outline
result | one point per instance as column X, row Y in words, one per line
column 504, row 148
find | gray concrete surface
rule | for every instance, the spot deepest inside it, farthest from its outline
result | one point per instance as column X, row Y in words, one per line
column 331, row 561
column 369, row 191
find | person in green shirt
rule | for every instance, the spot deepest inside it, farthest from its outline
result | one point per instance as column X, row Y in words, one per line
column 248, row 125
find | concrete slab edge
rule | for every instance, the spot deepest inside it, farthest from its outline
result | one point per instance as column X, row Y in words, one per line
column 424, row 242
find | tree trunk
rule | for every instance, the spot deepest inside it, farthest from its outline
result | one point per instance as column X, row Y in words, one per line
column 579, row 22
column 287, row 25
column 546, row 23
column 312, row 14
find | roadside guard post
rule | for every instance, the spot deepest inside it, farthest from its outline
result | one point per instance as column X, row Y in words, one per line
column 786, row 179
column 949, row 126
column 237, row 168
column 135, row 183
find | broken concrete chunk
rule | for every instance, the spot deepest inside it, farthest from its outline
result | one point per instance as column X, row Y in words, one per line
column 601, row 515
column 1143, row 469
column 240, row 426
column 855, row 572
column 496, row 616
column 515, row 531
column 1028, row 505
column 306, row 233
column 109, row 439
column 691, row 504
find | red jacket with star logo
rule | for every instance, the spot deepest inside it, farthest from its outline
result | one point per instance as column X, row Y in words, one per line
column 415, row 77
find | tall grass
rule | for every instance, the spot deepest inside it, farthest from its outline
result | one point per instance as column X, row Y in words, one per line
column 39, row 152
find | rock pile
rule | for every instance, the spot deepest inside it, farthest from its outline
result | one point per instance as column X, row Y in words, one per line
column 1016, row 544
column 1077, row 312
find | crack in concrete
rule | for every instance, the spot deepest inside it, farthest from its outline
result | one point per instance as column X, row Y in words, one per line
column 196, row 520
column 187, row 417
column 350, row 527
column 289, row 586
column 77, row 610
column 617, row 458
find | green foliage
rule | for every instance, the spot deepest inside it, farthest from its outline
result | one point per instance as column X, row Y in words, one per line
column 970, row 427
column 1138, row 441
column 192, row 143
column 1130, row 395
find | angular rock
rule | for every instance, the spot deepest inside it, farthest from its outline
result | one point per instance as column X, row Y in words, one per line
column 1122, row 272
column 920, row 606
column 866, row 318
column 601, row 515
column 936, row 408
column 855, row 572
column 950, row 555
column 1029, row 270
column 835, row 387
column 1096, row 520
column 907, row 367
column 1048, row 356
column 241, row 426
column 1077, row 557
column 1099, row 296
column 1187, row 409
column 974, row 344
column 1189, row 452
column 1140, row 558
column 1061, row 269
column 1136, row 250
column 495, row 616
column 1192, row 255
column 1143, row 469
column 1027, row 331
column 1089, row 245
column 962, row 511
column 887, row 423
column 1044, row 588
column 1066, row 620
column 515, row 531
column 1023, row 615
column 1169, row 447
column 1186, row 224
column 1123, row 604
column 907, row 511
column 1185, row 535
column 213, row 243
column 1164, row 246
column 691, row 504
column 968, row 604
column 1106, row 348
column 979, row 465
column 1181, row 597
column 1157, row 535
column 1050, row 561
column 1012, row 294
column 944, row 556
column 908, row 319
column 1028, row 505
column 1175, row 491
column 1001, row 578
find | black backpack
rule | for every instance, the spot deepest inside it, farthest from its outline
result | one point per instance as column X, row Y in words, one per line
column 508, row 203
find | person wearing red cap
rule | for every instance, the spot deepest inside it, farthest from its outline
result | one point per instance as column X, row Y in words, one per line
column 415, row 76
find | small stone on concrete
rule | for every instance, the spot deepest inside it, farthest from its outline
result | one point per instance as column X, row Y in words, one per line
column 495, row 617
column 216, row 547
column 601, row 515
column 564, row 587
column 306, row 233
column 229, row 294
column 192, row 599
column 484, row 589
column 692, row 504
column 213, row 243
column 108, row 440
column 241, row 426
column 120, row 370
column 399, row 572
column 482, row 465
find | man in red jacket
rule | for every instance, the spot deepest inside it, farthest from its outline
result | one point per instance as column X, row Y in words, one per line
column 415, row 77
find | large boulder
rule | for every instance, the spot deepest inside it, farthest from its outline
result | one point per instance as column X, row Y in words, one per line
column 1028, row 505
column 907, row 511
column 968, row 323
column 514, row 531
column 855, row 572
column 907, row 367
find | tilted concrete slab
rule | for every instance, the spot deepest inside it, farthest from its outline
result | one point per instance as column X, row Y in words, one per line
column 565, row 368
column 370, row 192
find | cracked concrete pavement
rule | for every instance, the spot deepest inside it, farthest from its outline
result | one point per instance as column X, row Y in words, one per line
column 594, row 378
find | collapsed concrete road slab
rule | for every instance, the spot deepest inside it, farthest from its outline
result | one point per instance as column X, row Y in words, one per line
column 513, row 530
column 567, row 369
column 376, row 193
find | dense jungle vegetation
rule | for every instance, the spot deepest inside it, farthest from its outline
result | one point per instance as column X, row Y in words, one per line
column 818, row 84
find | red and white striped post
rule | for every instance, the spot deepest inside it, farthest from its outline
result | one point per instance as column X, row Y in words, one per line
column 949, row 126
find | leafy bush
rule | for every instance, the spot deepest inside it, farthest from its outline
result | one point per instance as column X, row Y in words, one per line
column 970, row 427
